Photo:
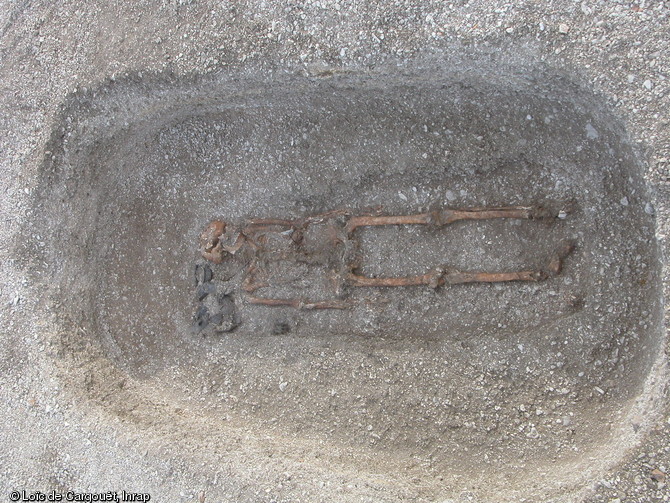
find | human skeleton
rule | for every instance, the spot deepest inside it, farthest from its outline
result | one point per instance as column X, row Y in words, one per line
column 333, row 249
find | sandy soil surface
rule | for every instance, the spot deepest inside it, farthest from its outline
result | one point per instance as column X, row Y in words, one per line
column 127, row 128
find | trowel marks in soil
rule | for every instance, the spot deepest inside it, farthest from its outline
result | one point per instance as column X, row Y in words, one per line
column 488, row 381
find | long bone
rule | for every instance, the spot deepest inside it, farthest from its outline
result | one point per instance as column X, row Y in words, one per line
column 445, row 276
column 440, row 277
column 446, row 217
column 299, row 303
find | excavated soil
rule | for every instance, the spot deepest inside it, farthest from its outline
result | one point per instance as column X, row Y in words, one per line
column 514, row 385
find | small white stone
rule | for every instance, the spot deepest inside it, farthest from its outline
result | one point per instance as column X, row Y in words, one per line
column 591, row 132
column 624, row 201
column 599, row 390
column 563, row 29
column 562, row 215
column 648, row 209
column 647, row 84
column 631, row 78
column 282, row 386
column 510, row 30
